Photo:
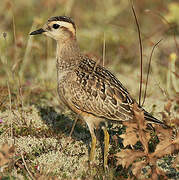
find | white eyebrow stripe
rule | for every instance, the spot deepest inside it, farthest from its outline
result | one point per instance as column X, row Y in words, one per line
column 67, row 25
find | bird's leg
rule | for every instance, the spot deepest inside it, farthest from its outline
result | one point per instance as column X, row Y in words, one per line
column 93, row 142
column 93, row 147
column 106, row 146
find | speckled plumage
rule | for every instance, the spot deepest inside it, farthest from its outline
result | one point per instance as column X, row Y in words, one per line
column 87, row 88
column 92, row 89
column 96, row 91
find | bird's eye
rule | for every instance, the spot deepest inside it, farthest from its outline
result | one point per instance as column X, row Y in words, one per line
column 56, row 26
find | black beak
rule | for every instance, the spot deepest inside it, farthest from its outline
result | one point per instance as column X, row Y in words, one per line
column 39, row 31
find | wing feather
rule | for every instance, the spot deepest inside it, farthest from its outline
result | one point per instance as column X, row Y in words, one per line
column 97, row 91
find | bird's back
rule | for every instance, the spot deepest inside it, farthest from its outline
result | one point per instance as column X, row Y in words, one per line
column 92, row 89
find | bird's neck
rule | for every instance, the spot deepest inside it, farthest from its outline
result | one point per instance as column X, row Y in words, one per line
column 67, row 54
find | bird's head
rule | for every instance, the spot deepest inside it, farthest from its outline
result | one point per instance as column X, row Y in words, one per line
column 60, row 28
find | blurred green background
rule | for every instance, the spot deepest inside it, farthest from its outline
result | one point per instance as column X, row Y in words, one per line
column 28, row 63
column 111, row 21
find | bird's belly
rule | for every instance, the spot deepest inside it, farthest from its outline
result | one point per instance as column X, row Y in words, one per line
column 65, row 80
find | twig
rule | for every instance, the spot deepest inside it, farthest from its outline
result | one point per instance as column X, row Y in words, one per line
column 141, row 53
column 14, row 27
column 10, row 108
column 148, row 71
column 72, row 129
column 166, row 21
column 26, row 166
column 165, row 94
column 104, row 49
column 20, row 92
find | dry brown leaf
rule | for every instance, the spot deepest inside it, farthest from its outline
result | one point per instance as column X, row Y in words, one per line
column 163, row 134
column 135, row 131
column 144, row 141
column 165, row 147
column 139, row 115
column 168, row 106
column 143, row 136
column 128, row 156
column 130, row 137
column 137, row 166
column 6, row 153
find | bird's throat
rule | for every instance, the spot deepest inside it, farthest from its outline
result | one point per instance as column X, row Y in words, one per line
column 67, row 53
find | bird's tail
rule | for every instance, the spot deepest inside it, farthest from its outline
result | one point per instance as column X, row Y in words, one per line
column 154, row 120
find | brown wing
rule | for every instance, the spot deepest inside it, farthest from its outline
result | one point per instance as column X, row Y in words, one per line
column 98, row 92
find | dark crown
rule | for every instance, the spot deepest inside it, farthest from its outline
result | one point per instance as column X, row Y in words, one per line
column 62, row 18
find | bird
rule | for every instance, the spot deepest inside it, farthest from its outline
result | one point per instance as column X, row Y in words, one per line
column 86, row 87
